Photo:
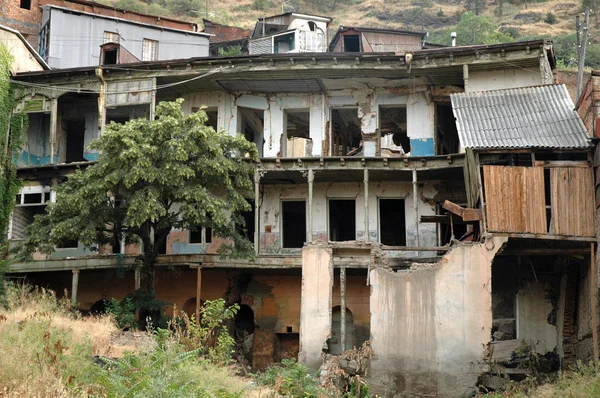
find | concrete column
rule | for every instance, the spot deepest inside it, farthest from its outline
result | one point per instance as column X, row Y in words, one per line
column 343, row 308
column 416, row 205
column 366, row 183
column 74, row 286
column 256, row 210
column 53, row 125
column 309, row 232
column 153, row 100
column 198, row 293
column 315, row 305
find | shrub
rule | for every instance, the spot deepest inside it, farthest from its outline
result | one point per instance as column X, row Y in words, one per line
column 550, row 18
column 291, row 379
column 123, row 311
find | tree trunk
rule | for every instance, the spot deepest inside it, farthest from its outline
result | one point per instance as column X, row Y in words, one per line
column 147, row 273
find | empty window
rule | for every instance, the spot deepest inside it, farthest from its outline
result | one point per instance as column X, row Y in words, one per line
column 68, row 244
column 352, row 43
column 196, row 235
column 342, row 220
column 346, row 134
column 248, row 229
column 150, row 50
column 297, row 128
column 293, row 223
column 112, row 37
column 25, row 4
column 312, row 26
column 392, row 223
column 447, row 135
column 284, row 43
column 392, row 126
column 212, row 114
column 75, row 134
column 110, row 57
column 251, row 126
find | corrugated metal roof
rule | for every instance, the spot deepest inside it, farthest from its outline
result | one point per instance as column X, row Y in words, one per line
column 532, row 117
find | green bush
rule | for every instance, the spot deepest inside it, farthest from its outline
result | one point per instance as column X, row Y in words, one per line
column 123, row 311
column 291, row 379
column 550, row 18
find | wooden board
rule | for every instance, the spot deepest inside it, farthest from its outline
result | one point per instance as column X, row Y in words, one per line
column 515, row 200
column 572, row 201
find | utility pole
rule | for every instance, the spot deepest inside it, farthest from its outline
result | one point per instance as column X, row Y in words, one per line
column 582, row 40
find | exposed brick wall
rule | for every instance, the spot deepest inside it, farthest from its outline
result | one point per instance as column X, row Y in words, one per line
column 26, row 21
column 570, row 318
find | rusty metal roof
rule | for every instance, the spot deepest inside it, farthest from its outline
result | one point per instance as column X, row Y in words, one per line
column 531, row 117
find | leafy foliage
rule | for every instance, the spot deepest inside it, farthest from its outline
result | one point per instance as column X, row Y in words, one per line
column 291, row 379
column 11, row 133
column 153, row 176
column 123, row 311
column 473, row 29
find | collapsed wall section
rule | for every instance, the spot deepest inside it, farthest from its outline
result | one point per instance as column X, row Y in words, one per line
column 430, row 324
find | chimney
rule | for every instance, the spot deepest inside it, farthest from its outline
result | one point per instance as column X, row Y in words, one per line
column 453, row 37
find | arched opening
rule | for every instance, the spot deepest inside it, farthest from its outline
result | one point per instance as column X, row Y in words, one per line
column 312, row 26
column 189, row 307
column 99, row 307
column 244, row 332
column 335, row 342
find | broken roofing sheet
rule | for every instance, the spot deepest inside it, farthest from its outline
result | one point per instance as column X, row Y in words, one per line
column 533, row 117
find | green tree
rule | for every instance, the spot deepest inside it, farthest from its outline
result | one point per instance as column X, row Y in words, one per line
column 11, row 132
column 152, row 176
column 478, row 29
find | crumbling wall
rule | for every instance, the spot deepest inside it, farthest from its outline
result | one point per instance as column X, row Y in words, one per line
column 270, row 211
column 315, row 310
column 429, row 325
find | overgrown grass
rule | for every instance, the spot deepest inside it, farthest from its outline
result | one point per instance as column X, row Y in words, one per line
column 581, row 381
column 47, row 349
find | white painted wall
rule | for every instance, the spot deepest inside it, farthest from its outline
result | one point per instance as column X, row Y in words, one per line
column 504, row 79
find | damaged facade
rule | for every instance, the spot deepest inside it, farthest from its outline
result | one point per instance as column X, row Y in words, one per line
column 433, row 203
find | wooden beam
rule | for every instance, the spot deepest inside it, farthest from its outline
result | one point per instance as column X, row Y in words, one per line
column 593, row 301
column 74, row 286
column 453, row 208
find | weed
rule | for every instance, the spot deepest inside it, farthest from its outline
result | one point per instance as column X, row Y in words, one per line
column 291, row 379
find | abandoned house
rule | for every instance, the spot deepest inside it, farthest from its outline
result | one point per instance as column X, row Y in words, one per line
column 70, row 33
column 438, row 203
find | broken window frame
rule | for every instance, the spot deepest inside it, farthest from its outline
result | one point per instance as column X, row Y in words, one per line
column 380, row 216
column 380, row 111
column 281, row 222
column 332, row 141
column 286, row 137
column 47, row 195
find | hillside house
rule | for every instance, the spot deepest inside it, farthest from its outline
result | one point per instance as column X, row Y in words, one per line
column 437, row 203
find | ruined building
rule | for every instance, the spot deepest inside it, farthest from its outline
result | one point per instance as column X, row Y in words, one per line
column 438, row 203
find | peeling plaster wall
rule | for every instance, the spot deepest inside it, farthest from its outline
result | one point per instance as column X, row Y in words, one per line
column 315, row 311
column 270, row 211
column 36, row 148
column 420, row 114
column 429, row 325
column 503, row 79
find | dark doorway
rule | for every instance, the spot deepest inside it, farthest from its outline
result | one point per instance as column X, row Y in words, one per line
column 342, row 219
column 293, row 223
column 110, row 57
column 392, row 222
column 446, row 133
column 75, row 129
column 248, row 216
column 244, row 320
column 352, row 43
column 251, row 126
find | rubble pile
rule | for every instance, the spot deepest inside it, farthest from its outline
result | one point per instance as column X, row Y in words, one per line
column 338, row 372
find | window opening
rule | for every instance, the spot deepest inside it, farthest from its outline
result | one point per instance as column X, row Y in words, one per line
column 212, row 114
column 346, row 132
column 196, row 235
column 251, row 126
column 335, row 341
column 352, row 43
column 342, row 220
column 111, row 37
column 283, row 44
column 293, row 223
column 392, row 222
column 25, row 4
column 447, row 136
column 312, row 26
column 149, row 50
column 110, row 57
column 297, row 128
column 392, row 126
column 68, row 244
column 248, row 216
column 75, row 134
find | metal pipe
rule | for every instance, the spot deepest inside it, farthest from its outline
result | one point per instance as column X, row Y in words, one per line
column 366, row 182
column 309, row 232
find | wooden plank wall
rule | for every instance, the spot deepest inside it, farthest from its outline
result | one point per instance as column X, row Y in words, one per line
column 515, row 200
column 572, row 201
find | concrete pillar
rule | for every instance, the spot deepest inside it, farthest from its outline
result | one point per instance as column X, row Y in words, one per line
column 309, row 232
column 366, row 183
column 53, row 125
column 198, row 293
column 74, row 286
column 137, row 278
column 256, row 210
column 416, row 205
column 343, row 308
column 315, row 306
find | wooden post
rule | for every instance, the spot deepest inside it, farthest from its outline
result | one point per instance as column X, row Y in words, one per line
column 198, row 293
column 53, row 125
column 482, row 201
column 593, row 301
column 74, row 286
column 137, row 278
column 366, row 182
column 343, row 308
